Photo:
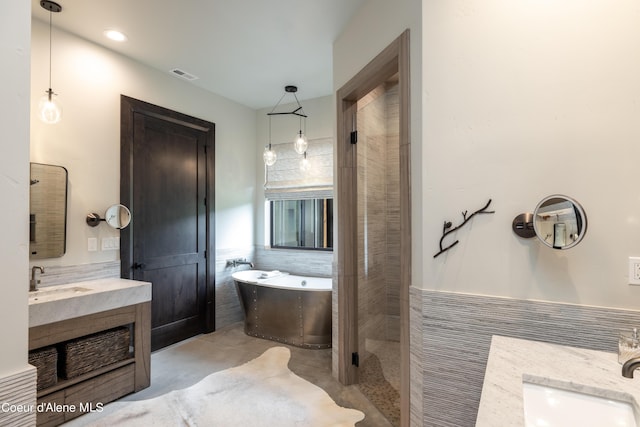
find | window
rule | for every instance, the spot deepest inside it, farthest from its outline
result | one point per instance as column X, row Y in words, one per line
column 302, row 224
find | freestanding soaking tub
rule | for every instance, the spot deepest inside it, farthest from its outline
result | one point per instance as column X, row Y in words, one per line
column 286, row 308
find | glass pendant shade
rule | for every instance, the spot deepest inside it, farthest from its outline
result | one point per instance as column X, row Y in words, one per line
column 269, row 156
column 300, row 144
column 305, row 165
column 49, row 109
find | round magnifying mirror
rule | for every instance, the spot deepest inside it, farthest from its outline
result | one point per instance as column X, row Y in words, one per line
column 118, row 216
column 559, row 222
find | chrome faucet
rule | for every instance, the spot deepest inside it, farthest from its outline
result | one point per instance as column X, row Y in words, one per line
column 33, row 283
column 630, row 366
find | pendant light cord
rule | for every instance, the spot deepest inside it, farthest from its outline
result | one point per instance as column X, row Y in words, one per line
column 50, row 45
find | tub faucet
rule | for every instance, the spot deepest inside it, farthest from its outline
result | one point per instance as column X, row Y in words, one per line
column 243, row 262
column 239, row 261
column 33, row 283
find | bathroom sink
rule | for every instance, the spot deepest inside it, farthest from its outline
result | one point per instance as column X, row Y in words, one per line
column 555, row 403
column 61, row 302
column 57, row 292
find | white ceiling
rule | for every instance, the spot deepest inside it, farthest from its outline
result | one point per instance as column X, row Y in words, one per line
column 244, row 50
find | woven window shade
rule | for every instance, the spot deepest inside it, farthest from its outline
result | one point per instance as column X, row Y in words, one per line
column 285, row 181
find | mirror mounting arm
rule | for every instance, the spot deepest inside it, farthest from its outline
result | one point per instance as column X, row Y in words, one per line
column 93, row 219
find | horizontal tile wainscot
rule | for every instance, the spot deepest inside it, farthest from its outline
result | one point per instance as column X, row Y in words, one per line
column 70, row 398
column 451, row 338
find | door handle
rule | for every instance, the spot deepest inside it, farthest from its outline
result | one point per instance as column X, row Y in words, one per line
column 137, row 266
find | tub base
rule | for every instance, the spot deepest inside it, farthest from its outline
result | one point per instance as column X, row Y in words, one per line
column 295, row 317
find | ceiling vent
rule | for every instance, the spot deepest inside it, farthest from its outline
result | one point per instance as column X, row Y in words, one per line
column 183, row 74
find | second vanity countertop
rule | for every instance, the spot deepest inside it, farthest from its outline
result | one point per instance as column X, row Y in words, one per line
column 501, row 403
column 55, row 303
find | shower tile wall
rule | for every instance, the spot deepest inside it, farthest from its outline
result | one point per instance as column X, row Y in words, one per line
column 372, row 210
column 379, row 213
column 451, row 336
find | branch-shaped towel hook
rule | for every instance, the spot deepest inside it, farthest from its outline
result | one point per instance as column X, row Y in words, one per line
column 446, row 229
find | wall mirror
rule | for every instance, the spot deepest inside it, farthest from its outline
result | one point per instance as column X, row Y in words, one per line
column 558, row 221
column 117, row 216
column 47, row 211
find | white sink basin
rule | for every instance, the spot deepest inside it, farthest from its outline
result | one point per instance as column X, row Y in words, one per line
column 61, row 302
column 56, row 293
column 555, row 404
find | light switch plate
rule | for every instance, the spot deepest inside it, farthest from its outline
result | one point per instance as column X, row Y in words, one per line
column 92, row 244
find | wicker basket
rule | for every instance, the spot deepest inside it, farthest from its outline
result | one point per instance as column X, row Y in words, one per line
column 92, row 352
column 46, row 361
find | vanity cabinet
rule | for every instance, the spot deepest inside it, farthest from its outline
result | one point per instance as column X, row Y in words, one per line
column 70, row 398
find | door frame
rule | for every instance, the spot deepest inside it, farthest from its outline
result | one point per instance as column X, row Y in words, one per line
column 128, row 107
column 393, row 59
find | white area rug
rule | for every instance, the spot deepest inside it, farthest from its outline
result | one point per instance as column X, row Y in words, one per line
column 262, row 392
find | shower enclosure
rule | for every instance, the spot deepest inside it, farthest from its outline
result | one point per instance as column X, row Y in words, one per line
column 378, row 189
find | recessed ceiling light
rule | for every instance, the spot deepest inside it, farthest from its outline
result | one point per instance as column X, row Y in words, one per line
column 115, row 35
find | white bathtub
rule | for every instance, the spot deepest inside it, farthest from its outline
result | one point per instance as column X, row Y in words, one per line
column 283, row 280
column 286, row 308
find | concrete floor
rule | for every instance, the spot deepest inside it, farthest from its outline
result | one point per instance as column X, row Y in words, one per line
column 183, row 364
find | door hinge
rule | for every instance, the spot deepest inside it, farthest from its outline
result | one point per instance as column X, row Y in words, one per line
column 354, row 137
column 355, row 359
column 205, row 254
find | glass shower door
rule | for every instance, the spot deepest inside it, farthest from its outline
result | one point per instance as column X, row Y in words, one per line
column 378, row 249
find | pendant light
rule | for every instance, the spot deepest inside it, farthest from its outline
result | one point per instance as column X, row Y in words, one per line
column 49, row 109
column 300, row 143
column 305, row 165
column 269, row 156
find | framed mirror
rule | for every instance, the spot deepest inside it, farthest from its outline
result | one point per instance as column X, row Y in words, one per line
column 559, row 222
column 47, row 211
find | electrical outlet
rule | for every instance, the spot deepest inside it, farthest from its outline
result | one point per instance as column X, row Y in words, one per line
column 634, row 270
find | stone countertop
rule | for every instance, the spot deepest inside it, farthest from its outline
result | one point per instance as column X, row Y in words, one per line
column 511, row 359
column 55, row 303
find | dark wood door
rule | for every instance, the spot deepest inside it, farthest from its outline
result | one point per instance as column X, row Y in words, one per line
column 168, row 180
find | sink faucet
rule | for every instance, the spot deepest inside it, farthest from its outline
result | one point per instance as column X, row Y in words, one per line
column 630, row 366
column 33, row 283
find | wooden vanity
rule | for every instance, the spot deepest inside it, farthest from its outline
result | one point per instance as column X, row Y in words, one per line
column 70, row 398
